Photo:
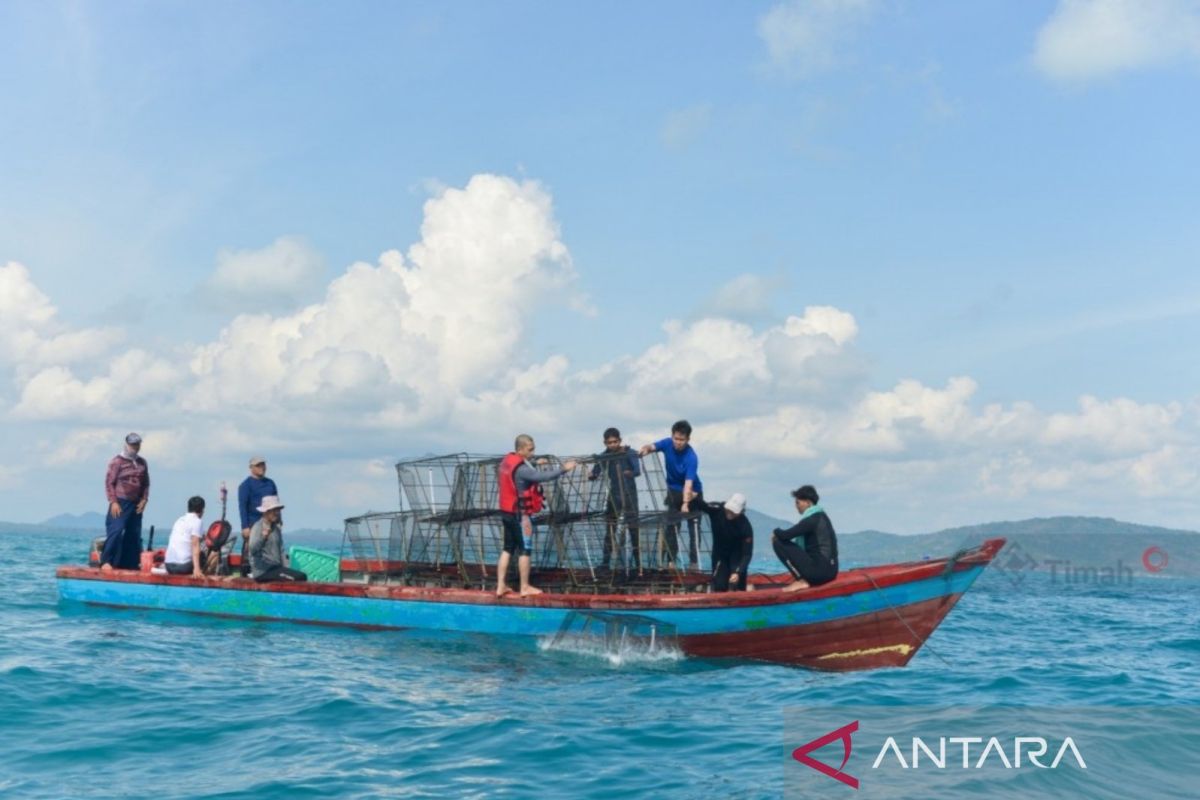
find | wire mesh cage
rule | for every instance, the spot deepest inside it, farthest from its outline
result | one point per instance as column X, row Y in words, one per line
column 605, row 525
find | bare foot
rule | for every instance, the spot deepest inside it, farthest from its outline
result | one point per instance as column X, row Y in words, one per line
column 795, row 586
column 106, row 567
column 502, row 590
column 530, row 590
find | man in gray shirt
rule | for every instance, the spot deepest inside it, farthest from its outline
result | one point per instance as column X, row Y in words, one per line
column 520, row 499
column 267, row 560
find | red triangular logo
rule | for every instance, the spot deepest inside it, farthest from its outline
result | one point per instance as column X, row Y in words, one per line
column 801, row 754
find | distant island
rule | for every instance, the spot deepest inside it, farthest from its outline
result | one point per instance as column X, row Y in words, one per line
column 1048, row 544
column 1063, row 544
column 89, row 520
column 1041, row 544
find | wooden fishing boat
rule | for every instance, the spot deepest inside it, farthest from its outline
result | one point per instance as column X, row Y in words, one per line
column 431, row 566
column 866, row 618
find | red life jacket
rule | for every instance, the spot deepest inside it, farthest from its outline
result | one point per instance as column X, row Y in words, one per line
column 530, row 501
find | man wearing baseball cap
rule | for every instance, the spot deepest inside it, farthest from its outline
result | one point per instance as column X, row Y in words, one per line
column 253, row 489
column 127, row 485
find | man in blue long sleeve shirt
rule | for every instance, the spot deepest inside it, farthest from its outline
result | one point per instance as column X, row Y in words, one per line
column 250, row 496
column 683, row 487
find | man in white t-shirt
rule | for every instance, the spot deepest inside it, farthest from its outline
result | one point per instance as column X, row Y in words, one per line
column 183, row 550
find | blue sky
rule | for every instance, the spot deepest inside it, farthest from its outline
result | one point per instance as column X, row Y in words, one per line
column 939, row 259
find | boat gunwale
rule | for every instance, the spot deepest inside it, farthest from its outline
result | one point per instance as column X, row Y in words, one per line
column 850, row 582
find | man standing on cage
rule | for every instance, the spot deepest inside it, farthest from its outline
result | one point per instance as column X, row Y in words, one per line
column 683, row 487
column 521, row 498
column 621, row 464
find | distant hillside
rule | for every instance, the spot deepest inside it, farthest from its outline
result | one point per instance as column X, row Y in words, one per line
column 1036, row 543
column 86, row 521
column 763, row 525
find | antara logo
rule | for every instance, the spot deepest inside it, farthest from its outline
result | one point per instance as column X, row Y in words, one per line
column 1033, row 748
column 801, row 754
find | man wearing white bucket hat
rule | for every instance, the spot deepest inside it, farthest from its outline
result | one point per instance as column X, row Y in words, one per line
column 267, row 559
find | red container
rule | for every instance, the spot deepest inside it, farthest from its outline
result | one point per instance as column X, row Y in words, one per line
column 147, row 560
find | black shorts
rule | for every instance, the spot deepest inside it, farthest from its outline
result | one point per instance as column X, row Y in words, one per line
column 514, row 539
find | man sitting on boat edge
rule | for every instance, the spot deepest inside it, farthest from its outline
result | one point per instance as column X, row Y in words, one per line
column 520, row 498
column 267, row 559
column 817, row 561
column 184, row 555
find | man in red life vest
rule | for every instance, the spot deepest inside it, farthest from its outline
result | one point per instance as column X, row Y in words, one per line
column 520, row 499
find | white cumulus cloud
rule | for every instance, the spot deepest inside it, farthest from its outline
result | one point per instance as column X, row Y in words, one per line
column 746, row 298
column 1118, row 426
column 409, row 335
column 83, row 445
column 131, row 378
column 273, row 278
column 806, row 37
column 1086, row 39
column 31, row 335
column 423, row 351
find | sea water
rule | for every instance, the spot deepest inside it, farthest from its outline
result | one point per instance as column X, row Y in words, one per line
column 109, row 703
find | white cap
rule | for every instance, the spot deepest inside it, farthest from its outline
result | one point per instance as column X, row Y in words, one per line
column 736, row 503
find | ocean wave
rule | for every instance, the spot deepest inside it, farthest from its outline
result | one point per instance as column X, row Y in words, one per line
column 175, row 706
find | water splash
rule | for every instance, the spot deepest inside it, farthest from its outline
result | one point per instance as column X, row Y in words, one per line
column 618, row 638
column 627, row 652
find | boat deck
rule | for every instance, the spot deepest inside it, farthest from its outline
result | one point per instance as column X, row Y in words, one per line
column 687, row 589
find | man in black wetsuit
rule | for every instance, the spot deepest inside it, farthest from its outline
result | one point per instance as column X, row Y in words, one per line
column 817, row 561
column 733, row 542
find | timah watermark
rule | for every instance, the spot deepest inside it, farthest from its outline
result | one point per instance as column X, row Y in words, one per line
column 991, row 752
column 1064, row 571
column 1015, row 563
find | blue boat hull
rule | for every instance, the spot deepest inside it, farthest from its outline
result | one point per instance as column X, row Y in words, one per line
column 882, row 615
